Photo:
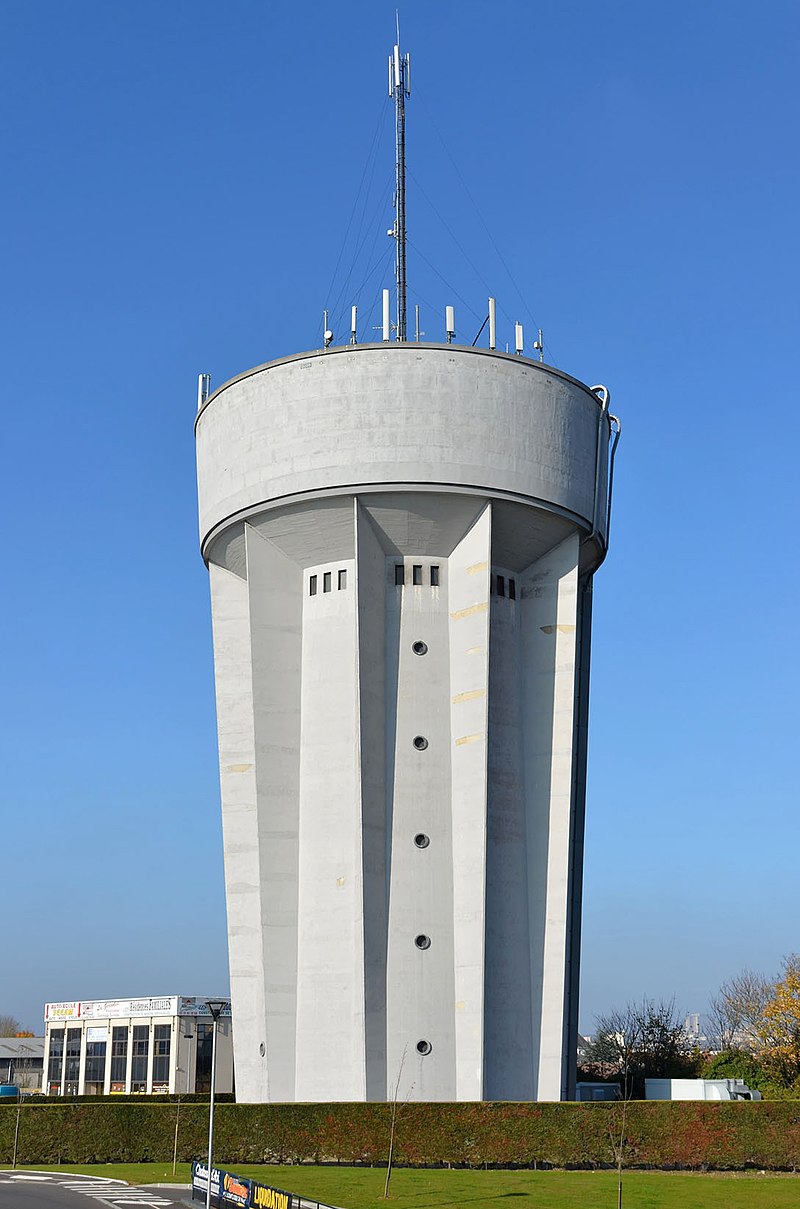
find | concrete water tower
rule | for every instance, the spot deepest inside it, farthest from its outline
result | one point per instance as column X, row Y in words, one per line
column 401, row 539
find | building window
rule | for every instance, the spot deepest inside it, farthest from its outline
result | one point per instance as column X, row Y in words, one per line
column 119, row 1055
column 162, row 1036
column 312, row 585
column 399, row 575
column 501, row 586
column 342, row 580
column 434, row 577
column 326, row 582
column 202, row 1066
column 95, row 1069
column 512, row 589
column 416, row 575
column 72, row 1061
column 140, row 1050
column 56, row 1056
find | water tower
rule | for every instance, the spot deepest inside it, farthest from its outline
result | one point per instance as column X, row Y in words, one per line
column 401, row 539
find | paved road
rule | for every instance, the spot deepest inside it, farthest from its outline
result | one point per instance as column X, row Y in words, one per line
column 62, row 1190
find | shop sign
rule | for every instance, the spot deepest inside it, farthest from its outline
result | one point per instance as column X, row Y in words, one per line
column 62, row 1011
column 96, row 1032
column 116, row 1009
column 197, row 1007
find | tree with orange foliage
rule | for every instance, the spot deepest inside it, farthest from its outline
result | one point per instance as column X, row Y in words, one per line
column 780, row 1027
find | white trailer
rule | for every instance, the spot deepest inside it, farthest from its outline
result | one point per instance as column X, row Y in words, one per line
column 698, row 1089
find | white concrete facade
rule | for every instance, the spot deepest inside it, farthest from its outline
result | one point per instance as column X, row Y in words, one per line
column 401, row 541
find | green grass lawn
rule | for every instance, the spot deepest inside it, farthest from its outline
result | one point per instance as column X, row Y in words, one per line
column 362, row 1187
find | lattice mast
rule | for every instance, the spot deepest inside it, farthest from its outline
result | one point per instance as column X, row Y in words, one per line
column 399, row 89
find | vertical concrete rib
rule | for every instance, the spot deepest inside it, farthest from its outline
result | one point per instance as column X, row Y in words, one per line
column 371, row 654
column 275, row 604
column 508, row 1047
column 468, row 574
column 577, row 829
column 550, row 589
column 240, row 823
column 420, row 989
column 330, row 967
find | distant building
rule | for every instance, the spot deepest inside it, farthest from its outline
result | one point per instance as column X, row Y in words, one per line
column 147, row 1046
column 22, row 1061
column 693, row 1031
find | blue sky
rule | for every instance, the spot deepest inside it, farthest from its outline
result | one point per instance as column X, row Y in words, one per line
column 178, row 182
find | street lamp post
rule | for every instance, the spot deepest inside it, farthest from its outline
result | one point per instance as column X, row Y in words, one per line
column 216, row 1007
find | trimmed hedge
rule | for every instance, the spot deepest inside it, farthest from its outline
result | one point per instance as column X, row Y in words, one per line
column 688, row 1135
column 194, row 1097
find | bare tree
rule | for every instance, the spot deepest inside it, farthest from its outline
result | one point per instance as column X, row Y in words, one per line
column 722, row 1023
column 618, row 1144
column 393, row 1125
column 645, row 1038
column 737, row 1011
column 9, row 1026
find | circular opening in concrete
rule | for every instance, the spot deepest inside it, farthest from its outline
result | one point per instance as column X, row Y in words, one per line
column 421, row 839
column 422, row 941
column 424, row 1047
column 420, row 742
column 419, row 647
column 262, row 1049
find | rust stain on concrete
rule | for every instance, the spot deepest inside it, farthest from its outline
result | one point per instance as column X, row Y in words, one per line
column 470, row 611
column 469, row 738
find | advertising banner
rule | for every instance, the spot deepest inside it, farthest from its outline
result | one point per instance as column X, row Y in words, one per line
column 200, row 1182
column 264, row 1197
column 228, row 1189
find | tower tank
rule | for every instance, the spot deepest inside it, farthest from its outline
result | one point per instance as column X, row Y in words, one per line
column 401, row 540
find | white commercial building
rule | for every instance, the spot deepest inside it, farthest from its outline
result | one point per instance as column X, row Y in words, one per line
column 401, row 540
column 21, row 1061
column 148, row 1046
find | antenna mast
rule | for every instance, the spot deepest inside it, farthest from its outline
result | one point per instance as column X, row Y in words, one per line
column 400, row 88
